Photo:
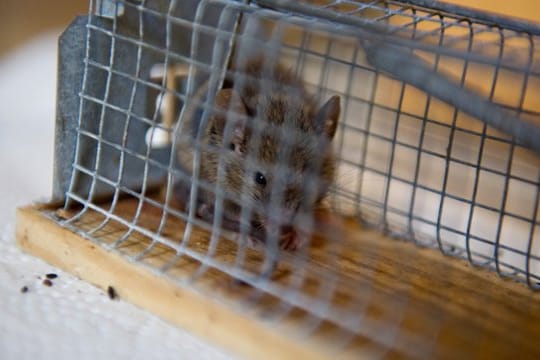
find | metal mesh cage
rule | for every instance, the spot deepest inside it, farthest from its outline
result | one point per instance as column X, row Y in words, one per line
column 436, row 143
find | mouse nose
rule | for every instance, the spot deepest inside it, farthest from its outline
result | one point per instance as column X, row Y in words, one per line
column 286, row 229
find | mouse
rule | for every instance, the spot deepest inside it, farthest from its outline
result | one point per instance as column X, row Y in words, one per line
column 267, row 145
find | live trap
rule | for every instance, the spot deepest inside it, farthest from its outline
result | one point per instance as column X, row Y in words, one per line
column 437, row 144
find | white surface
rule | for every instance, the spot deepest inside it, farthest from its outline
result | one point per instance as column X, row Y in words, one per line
column 72, row 319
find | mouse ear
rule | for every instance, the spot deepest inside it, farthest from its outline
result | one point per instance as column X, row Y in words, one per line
column 230, row 101
column 328, row 116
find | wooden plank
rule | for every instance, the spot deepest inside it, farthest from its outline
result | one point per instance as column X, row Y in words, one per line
column 233, row 330
column 414, row 302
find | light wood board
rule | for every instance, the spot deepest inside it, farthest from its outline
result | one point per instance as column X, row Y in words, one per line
column 417, row 302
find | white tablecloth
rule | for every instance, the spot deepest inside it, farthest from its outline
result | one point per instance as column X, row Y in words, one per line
column 71, row 319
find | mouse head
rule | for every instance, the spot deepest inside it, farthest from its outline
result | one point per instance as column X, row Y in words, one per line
column 280, row 158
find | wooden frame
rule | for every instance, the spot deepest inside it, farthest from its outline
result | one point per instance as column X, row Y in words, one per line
column 452, row 308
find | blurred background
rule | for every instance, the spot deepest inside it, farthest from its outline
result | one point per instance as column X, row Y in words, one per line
column 20, row 20
column 72, row 318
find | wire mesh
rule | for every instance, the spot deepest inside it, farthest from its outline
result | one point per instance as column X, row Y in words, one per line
column 411, row 157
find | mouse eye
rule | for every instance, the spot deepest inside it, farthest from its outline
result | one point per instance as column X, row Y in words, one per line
column 232, row 146
column 260, row 179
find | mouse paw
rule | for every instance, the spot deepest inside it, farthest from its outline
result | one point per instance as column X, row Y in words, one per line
column 292, row 240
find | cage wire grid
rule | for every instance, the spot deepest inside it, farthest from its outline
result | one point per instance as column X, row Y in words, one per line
column 408, row 163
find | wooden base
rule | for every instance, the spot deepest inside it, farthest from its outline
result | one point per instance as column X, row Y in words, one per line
column 411, row 302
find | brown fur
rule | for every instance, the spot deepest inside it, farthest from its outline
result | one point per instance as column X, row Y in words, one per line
column 273, row 127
